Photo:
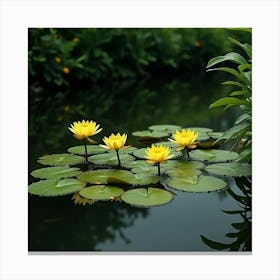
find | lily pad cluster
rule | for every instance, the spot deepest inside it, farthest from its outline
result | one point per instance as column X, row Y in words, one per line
column 136, row 182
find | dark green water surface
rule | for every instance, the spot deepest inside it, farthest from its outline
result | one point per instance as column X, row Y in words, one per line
column 57, row 224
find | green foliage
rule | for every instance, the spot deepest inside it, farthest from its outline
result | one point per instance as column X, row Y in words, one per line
column 57, row 56
column 241, row 70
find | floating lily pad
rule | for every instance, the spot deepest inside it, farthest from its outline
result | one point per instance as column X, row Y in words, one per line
column 215, row 135
column 199, row 129
column 165, row 127
column 148, row 169
column 140, row 153
column 234, row 169
column 202, row 136
column 213, row 155
column 104, row 176
column 101, row 192
column 129, row 150
column 143, row 179
column 146, row 197
column 109, row 158
column 198, row 184
column 91, row 149
column 57, row 172
column 61, row 159
column 135, row 163
column 185, row 169
column 150, row 134
column 55, row 187
column 167, row 144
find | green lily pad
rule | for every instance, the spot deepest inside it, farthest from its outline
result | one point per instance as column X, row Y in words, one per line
column 143, row 179
column 202, row 136
column 234, row 169
column 101, row 192
column 199, row 184
column 215, row 135
column 147, row 197
column 56, row 187
column 129, row 150
column 103, row 176
column 91, row 149
column 150, row 134
column 140, row 153
column 148, row 169
column 185, row 169
column 165, row 127
column 213, row 155
column 61, row 159
column 135, row 163
column 110, row 158
column 167, row 144
column 57, row 172
column 199, row 129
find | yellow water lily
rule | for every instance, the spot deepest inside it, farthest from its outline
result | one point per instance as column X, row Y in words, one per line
column 114, row 142
column 185, row 139
column 84, row 129
column 158, row 154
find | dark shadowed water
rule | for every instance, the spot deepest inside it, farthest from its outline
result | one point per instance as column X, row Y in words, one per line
column 57, row 224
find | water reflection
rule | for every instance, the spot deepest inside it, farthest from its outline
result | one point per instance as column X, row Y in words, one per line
column 63, row 226
column 242, row 236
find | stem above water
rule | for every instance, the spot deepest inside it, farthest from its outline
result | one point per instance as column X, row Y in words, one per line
column 158, row 165
column 118, row 156
column 86, row 152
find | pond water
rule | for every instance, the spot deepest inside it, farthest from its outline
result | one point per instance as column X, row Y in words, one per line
column 57, row 224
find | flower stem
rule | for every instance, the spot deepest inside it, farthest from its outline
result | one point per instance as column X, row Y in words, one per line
column 188, row 154
column 118, row 156
column 86, row 152
column 158, row 166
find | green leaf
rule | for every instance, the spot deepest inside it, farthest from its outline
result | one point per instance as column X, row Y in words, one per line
column 185, row 169
column 233, row 57
column 234, row 169
column 102, row 176
column 228, row 70
column 229, row 101
column 143, row 179
column 165, row 127
column 213, row 155
column 235, row 130
column 55, row 187
column 147, row 197
column 110, row 158
column 101, row 192
column 55, row 172
column 239, row 92
column 200, row 129
column 150, row 134
column 199, row 184
column 61, row 159
column 233, row 83
column 91, row 149
column 244, row 67
column 213, row 244
column 140, row 153
column 246, row 47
